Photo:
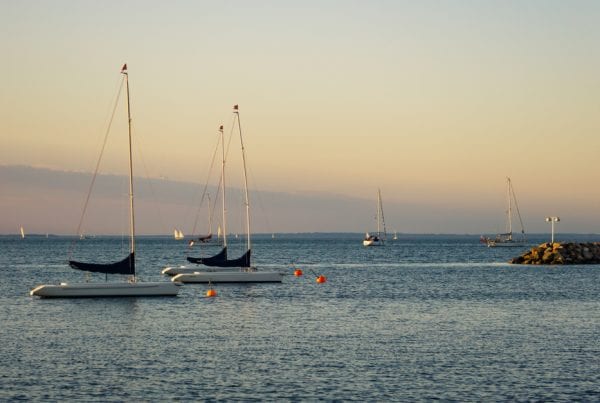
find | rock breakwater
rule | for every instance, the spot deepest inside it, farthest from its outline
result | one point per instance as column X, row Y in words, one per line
column 561, row 253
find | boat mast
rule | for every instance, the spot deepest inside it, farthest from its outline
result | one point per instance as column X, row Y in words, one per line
column 382, row 217
column 223, row 187
column 514, row 198
column 131, row 214
column 378, row 213
column 209, row 215
column 509, row 208
column 237, row 114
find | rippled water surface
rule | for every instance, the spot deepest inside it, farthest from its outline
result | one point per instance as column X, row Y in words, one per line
column 424, row 317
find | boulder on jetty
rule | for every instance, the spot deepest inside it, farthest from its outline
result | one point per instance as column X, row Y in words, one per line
column 561, row 253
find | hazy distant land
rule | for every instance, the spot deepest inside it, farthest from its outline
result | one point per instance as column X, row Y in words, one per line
column 50, row 201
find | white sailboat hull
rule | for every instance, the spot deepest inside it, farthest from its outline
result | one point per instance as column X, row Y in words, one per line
column 230, row 277
column 370, row 242
column 113, row 289
column 494, row 244
column 173, row 271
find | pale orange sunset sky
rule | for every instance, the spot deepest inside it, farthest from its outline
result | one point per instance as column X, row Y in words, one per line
column 435, row 102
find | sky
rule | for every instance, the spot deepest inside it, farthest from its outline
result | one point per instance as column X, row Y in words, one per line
column 434, row 102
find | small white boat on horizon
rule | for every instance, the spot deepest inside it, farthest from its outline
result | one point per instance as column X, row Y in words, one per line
column 506, row 239
column 379, row 239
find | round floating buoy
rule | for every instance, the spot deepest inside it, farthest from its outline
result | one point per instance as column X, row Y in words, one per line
column 211, row 293
column 298, row 272
column 321, row 279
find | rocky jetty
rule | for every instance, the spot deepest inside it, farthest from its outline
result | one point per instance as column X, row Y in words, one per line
column 561, row 253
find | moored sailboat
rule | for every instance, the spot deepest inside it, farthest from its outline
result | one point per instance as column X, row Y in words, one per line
column 239, row 270
column 206, row 238
column 506, row 239
column 219, row 261
column 221, row 258
column 131, row 288
column 379, row 238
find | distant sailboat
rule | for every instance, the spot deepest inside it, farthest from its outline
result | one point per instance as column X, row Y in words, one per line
column 212, row 261
column 245, row 271
column 203, row 238
column 126, row 266
column 177, row 234
column 506, row 239
column 380, row 238
column 395, row 238
column 22, row 233
column 206, row 238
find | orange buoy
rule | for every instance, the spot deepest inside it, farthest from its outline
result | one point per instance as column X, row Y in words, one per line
column 298, row 272
column 321, row 279
column 211, row 293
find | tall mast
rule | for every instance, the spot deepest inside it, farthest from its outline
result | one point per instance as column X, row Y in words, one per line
column 514, row 198
column 209, row 215
column 223, row 187
column 382, row 216
column 509, row 207
column 131, row 214
column 237, row 114
column 378, row 213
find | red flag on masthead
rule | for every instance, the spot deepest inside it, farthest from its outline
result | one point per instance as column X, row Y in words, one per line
column 124, row 68
column 235, row 107
column 221, row 128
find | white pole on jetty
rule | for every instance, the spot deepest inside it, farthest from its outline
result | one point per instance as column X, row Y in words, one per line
column 552, row 220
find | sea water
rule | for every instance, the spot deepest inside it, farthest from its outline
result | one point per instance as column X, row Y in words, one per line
column 421, row 318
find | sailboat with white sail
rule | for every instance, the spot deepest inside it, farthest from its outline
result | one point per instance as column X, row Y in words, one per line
column 22, row 232
column 238, row 270
column 506, row 239
column 378, row 238
column 178, row 234
column 131, row 288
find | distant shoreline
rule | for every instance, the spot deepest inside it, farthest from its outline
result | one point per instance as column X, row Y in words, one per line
column 400, row 235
